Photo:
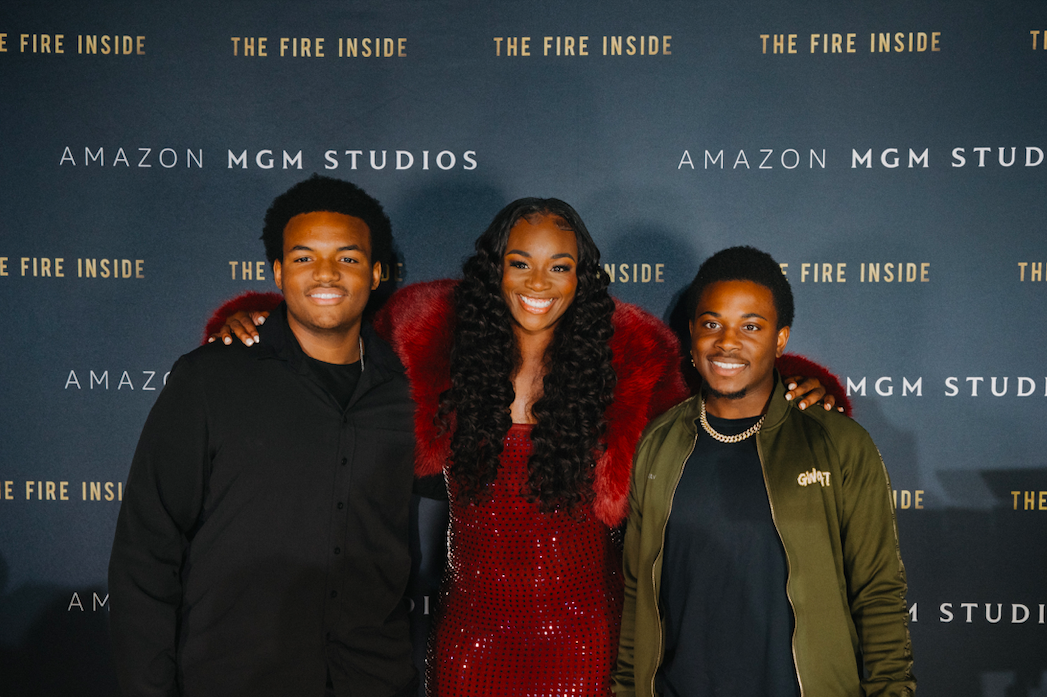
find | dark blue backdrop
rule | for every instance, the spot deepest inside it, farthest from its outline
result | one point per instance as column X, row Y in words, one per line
column 838, row 163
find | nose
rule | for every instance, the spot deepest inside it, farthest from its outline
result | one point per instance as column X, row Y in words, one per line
column 728, row 339
column 537, row 280
column 325, row 270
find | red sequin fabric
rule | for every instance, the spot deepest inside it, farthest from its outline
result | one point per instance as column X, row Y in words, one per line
column 531, row 602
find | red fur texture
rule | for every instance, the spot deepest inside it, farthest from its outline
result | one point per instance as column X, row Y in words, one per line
column 418, row 322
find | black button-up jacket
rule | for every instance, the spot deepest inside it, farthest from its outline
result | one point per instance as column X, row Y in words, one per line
column 262, row 544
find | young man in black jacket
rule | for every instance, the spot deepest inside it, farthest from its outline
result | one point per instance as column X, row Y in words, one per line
column 262, row 545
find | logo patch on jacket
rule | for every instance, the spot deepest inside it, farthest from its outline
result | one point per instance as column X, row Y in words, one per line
column 813, row 477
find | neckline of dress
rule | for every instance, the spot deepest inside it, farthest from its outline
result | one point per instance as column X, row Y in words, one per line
column 521, row 426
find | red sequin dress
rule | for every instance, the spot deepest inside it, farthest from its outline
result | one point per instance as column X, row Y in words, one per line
column 531, row 602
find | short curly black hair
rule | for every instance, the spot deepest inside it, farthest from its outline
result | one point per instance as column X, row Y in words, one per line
column 320, row 193
column 744, row 264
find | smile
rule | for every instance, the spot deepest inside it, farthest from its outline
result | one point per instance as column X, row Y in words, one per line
column 537, row 306
column 325, row 296
column 727, row 367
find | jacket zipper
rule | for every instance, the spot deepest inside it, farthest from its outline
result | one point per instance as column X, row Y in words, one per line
column 661, row 547
column 788, row 564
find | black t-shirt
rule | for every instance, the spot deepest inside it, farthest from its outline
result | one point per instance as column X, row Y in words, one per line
column 728, row 624
column 338, row 379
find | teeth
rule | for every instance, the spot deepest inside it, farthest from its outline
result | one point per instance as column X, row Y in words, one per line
column 326, row 296
column 535, row 302
column 727, row 366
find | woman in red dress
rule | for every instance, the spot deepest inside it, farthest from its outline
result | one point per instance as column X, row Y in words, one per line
column 531, row 598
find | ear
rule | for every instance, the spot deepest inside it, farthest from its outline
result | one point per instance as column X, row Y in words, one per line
column 278, row 276
column 376, row 275
column 783, row 340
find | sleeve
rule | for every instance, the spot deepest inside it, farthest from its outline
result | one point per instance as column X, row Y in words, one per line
column 431, row 486
column 249, row 302
column 162, row 502
column 624, row 679
column 876, row 584
column 793, row 364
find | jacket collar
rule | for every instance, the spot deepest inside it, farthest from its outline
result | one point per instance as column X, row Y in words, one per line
column 777, row 409
column 277, row 341
column 779, row 406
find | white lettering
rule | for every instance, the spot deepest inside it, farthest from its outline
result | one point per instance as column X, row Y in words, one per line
column 440, row 159
column 916, row 387
column 173, row 162
column 99, row 380
column 295, row 162
column 237, row 160
column 859, row 388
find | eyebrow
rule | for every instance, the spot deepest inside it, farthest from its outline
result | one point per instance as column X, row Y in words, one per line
column 747, row 315
column 522, row 253
column 346, row 248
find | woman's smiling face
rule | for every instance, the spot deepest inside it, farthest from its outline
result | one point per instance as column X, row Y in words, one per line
column 539, row 273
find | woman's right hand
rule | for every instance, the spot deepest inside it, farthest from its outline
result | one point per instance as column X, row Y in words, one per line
column 241, row 324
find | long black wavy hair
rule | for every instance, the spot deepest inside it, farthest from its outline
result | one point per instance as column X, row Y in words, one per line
column 577, row 388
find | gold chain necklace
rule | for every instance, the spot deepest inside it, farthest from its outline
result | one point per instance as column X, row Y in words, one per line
column 728, row 439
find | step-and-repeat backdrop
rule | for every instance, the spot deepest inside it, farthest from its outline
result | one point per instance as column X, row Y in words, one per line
column 892, row 155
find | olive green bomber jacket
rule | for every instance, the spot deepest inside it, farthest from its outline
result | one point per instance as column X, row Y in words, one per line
column 831, row 504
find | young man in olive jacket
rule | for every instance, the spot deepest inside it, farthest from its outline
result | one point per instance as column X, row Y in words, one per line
column 262, row 545
column 761, row 554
